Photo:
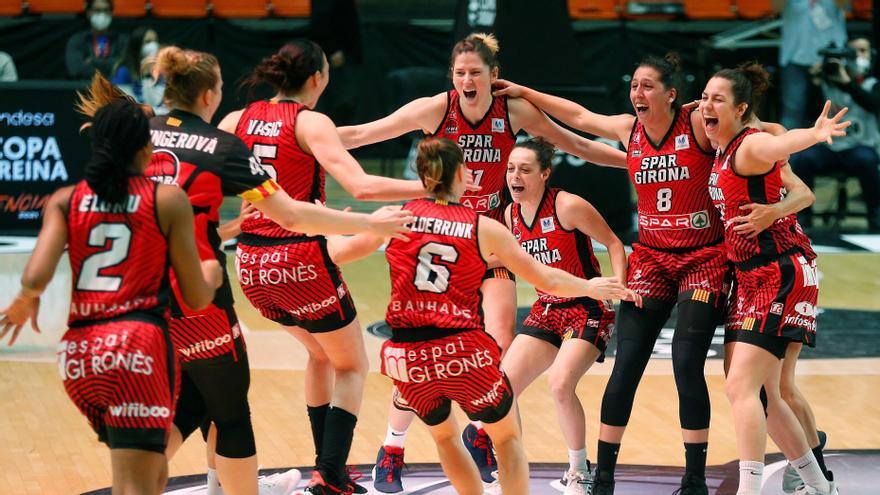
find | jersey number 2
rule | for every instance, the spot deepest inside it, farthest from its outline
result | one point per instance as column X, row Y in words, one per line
column 90, row 277
column 430, row 276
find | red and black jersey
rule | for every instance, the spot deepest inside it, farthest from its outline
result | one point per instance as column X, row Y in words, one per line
column 729, row 191
column 436, row 276
column 551, row 244
column 118, row 254
column 486, row 146
column 207, row 163
column 267, row 128
column 675, row 211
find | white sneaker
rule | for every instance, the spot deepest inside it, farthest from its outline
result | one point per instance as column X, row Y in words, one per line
column 811, row 490
column 578, row 483
column 279, row 483
column 560, row 483
column 493, row 488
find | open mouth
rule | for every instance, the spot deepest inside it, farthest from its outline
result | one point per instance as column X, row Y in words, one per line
column 470, row 95
column 710, row 122
column 641, row 109
column 517, row 189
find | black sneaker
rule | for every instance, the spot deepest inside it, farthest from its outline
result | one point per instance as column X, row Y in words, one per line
column 692, row 484
column 603, row 483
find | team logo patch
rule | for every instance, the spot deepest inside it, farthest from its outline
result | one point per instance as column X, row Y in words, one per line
column 804, row 308
column 547, row 225
column 636, row 153
column 340, row 291
column 568, row 333
column 451, row 126
column 164, row 167
column 681, row 142
column 517, row 233
column 593, row 323
column 777, row 308
column 700, row 219
column 173, row 122
column 497, row 125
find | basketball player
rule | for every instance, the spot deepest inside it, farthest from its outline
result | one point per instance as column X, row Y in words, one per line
column 564, row 334
column 121, row 231
column 310, row 300
column 678, row 261
column 485, row 127
column 776, row 276
column 209, row 163
column 439, row 351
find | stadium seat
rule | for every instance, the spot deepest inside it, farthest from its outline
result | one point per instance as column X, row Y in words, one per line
column 709, row 9
column 292, row 8
column 652, row 9
column 754, row 9
column 129, row 8
column 179, row 8
column 240, row 8
column 10, row 7
column 863, row 9
column 56, row 6
column 594, row 9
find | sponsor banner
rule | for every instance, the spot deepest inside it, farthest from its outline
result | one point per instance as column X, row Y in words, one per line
column 41, row 149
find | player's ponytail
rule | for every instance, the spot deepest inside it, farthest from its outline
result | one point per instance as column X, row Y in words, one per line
column 483, row 44
column 437, row 162
column 188, row 73
column 289, row 69
column 119, row 131
column 670, row 69
column 749, row 81
column 543, row 149
column 101, row 93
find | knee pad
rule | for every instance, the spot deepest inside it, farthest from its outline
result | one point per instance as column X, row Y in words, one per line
column 694, row 330
column 235, row 438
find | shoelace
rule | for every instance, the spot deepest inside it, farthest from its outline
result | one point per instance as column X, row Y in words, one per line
column 353, row 474
column 318, row 480
column 392, row 462
column 482, row 441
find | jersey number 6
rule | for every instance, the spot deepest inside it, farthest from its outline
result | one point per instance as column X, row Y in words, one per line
column 430, row 276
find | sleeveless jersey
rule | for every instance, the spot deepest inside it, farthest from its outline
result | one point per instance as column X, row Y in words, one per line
column 675, row 211
column 552, row 245
column 267, row 128
column 118, row 254
column 208, row 164
column 486, row 146
column 436, row 276
column 730, row 190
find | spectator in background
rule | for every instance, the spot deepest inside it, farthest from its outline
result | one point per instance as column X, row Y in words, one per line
column 7, row 68
column 133, row 72
column 97, row 48
column 848, row 82
column 807, row 27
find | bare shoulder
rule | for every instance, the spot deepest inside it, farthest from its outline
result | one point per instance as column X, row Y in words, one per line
column 230, row 122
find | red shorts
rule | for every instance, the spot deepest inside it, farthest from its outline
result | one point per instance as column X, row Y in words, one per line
column 463, row 367
column 207, row 334
column 120, row 374
column 582, row 318
column 667, row 276
column 778, row 299
column 294, row 282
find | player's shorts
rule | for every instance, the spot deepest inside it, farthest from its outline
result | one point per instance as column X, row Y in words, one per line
column 666, row 276
column 582, row 318
column 120, row 374
column 294, row 282
column 207, row 334
column 440, row 368
column 777, row 300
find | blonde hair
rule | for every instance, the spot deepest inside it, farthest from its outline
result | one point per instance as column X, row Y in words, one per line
column 101, row 93
column 437, row 162
column 483, row 44
column 188, row 73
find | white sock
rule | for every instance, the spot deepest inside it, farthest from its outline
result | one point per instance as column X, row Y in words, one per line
column 751, row 474
column 577, row 460
column 394, row 438
column 810, row 472
column 477, row 424
column 214, row 483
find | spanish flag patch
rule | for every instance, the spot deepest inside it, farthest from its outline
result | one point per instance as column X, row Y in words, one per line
column 700, row 295
column 173, row 122
column 748, row 323
column 260, row 192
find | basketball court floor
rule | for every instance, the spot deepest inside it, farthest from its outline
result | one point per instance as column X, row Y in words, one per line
column 49, row 449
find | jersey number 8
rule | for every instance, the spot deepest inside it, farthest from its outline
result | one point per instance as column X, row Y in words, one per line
column 664, row 199
column 430, row 276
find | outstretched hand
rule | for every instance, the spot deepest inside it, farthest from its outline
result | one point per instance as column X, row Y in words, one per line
column 22, row 309
column 391, row 221
column 827, row 129
column 759, row 218
column 503, row 87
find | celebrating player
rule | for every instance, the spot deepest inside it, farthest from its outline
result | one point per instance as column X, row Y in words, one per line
column 439, row 351
column 775, row 272
column 121, row 230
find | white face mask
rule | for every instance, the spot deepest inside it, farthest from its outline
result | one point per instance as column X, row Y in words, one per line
column 149, row 48
column 863, row 65
column 100, row 20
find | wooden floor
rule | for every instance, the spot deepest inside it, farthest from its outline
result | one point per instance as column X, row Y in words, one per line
column 50, row 449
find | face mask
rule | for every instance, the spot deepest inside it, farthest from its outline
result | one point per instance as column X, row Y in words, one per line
column 150, row 48
column 863, row 65
column 100, row 21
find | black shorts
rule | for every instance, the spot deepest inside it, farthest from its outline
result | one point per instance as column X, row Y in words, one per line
column 770, row 343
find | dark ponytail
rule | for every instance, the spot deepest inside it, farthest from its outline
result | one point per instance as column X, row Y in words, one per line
column 749, row 82
column 543, row 149
column 669, row 68
column 119, row 130
column 289, row 69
